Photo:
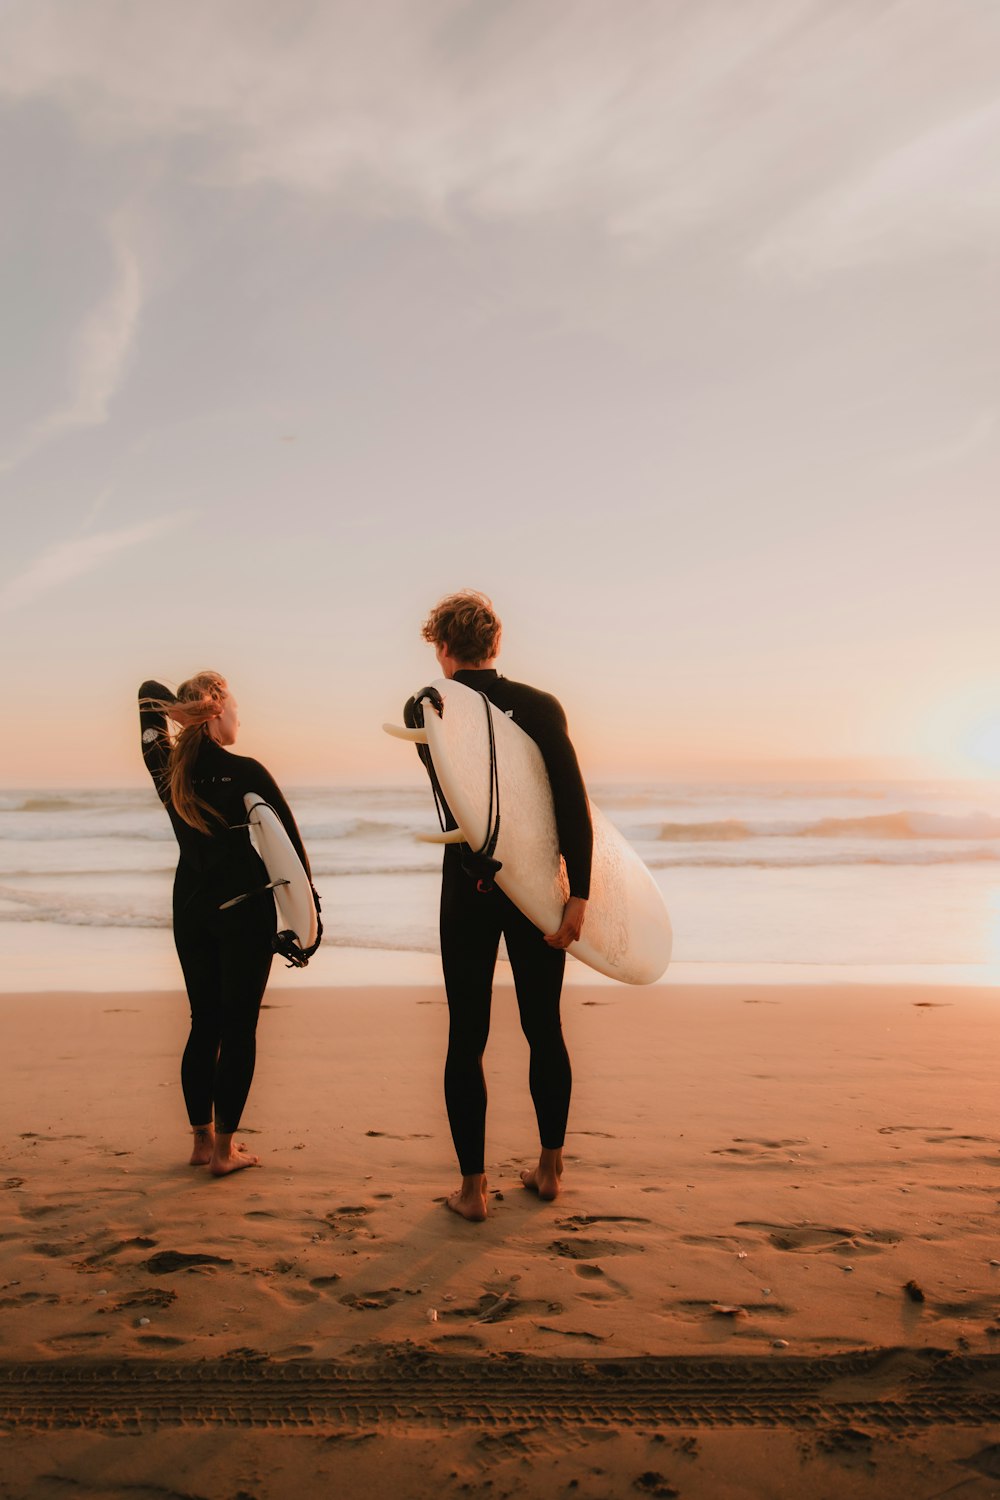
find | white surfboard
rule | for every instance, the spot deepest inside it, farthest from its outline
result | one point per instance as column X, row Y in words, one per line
column 627, row 932
column 292, row 891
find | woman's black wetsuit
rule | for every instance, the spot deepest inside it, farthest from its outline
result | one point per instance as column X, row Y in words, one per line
column 225, row 955
column 472, row 922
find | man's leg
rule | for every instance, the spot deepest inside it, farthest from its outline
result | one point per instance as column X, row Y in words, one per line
column 470, row 935
column 538, row 976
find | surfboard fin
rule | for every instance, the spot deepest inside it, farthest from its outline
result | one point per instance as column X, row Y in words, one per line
column 415, row 736
column 449, row 836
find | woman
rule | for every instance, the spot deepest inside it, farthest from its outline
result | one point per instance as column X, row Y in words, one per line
column 225, row 955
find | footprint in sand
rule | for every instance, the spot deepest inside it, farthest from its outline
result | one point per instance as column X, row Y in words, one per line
column 371, row 1301
column 148, row 1296
column 501, row 1307
column 33, row 1135
column 29, row 1299
column 576, row 1221
column 652, row 1482
column 349, row 1222
column 706, row 1308
column 385, row 1135
column 574, row 1333
column 815, row 1238
column 727, row 1242
column 946, row 1140
column 139, row 1242
column 165, row 1262
column 763, row 1152
column 299, row 1295
column 53, row 1251
column 74, row 1341
column 459, row 1341
column 583, row 1249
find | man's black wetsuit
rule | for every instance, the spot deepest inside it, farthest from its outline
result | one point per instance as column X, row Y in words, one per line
column 225, row 955
column 471, row 925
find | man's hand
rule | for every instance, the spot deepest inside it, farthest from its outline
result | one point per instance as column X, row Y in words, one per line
column 572, row 924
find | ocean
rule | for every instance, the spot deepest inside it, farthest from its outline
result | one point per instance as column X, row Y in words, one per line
column 770, row 882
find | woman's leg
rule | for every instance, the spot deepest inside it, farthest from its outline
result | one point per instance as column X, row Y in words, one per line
column 245, row 957
column 198, row 952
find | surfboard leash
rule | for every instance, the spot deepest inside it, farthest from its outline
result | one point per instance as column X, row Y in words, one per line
column 436, row 702
column 479, row 863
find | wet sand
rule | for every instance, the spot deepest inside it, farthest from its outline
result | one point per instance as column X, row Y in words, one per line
column 763, row 1187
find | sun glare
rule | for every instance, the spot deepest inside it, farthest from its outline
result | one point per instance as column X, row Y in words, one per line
column 982, row 744
column 963, row 731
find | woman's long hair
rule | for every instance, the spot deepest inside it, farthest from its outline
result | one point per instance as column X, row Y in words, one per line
column 201, row 698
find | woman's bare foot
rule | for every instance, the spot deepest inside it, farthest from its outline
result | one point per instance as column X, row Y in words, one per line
column 228, row 1157
column 204, row 1145
column 470, row 1200
column 545, row 1178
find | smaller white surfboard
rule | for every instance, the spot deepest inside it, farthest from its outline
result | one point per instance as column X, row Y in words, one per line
column 292, row 891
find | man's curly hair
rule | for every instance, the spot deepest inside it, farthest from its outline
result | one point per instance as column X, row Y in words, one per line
column 467, row 625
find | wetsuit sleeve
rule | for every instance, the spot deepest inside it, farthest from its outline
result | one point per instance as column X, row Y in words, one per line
column 153, row 735
column 576, row 834
column 265, row 786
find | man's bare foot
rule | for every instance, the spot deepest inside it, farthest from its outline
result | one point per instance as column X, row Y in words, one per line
column 545, row 1178
column 204, row 1145
column 470, row 1201
column 229, row 1157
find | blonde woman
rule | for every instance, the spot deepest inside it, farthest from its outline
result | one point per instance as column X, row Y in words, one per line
column 225, row 955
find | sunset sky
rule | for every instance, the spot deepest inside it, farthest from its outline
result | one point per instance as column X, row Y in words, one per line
column 674, row 327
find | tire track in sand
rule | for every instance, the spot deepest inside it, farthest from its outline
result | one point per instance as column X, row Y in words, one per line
column 890, row 1390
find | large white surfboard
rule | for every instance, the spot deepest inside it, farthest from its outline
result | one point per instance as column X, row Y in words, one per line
column 627, row 932
column 292, row 891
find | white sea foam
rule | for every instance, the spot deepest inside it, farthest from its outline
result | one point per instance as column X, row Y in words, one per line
column 851, row 875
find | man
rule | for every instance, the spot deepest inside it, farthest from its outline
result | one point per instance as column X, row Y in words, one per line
column 465, row 633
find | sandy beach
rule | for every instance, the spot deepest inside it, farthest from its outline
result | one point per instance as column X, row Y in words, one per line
column 756, row 1179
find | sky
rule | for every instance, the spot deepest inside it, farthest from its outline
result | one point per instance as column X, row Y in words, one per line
column 674, row 327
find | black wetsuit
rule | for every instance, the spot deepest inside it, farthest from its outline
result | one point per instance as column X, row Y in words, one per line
column 225, row 955
column 471, row 925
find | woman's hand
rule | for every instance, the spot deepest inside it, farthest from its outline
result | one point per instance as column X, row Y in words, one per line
column 572, row 924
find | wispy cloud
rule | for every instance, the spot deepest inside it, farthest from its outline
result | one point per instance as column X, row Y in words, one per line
column 648, row 120
column 929, row 194
column 98, row 359
column 66, row 561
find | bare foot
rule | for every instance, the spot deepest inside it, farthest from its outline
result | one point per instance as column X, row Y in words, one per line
column 204, row 1145
column 545, row 1178
column 470, row 1201
column 231, row 1158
